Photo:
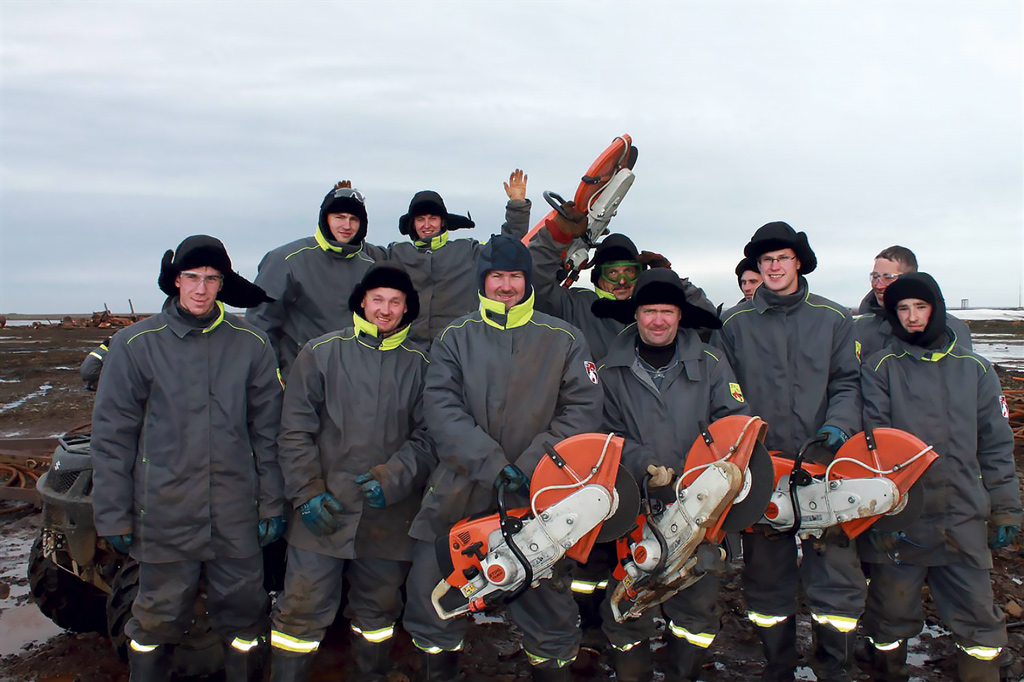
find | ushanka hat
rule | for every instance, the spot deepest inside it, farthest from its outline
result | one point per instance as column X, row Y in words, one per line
column 386, row 275
column 662, row 286
column 428, row 202
column 747, row 264
column 199, row 251
column 343, row 200
column 779, row 235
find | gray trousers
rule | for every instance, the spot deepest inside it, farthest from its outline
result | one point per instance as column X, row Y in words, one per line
column 546, row 615
column 834, row 584
column 962, row 594
column 695, row 609
column 312, row 593
column 235, row 599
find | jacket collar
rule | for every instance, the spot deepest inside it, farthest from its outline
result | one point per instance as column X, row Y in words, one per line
column 180, row 326
column 928, row 354
column 493, row 313
column 622, row 352
column 435, row 243
column 601, row 293
column 765, row 299
column 367, row 334
column 343, row 250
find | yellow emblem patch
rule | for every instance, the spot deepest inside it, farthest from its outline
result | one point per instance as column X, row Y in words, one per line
column 736, row 392
column 857, row 347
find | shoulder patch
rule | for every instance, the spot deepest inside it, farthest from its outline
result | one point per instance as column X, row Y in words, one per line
column 591, row 370
column 857, row 348
column 736, row 392
column 1003, row 407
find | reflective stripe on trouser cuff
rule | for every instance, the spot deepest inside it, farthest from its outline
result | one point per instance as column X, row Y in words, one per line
column 840, row 623
column 765, row 621
column 584, row 586
column 280, row 640
column 245, row 644
column 142, row 648
column 602, row 585
column 982, row 653
column 429, row 649
column 538, row 660
column 626, row 647
column 701, row 639
column 885, row 646
column 376, row 636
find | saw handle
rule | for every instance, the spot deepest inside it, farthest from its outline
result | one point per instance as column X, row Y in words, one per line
column 549, row 449
column 556, row 202
column 799, row 477
column 648, row 512
column 509, row 527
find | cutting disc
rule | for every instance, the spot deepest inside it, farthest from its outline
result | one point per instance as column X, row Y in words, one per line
column 629, row 507
column 758, row 485
column 902, row 519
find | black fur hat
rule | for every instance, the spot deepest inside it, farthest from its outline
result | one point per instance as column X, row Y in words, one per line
column 204, row 251
column 392, row 277
column 745, row 265
column 661, row 285
column 779, row 235
column 429, row 202
column 343, row 200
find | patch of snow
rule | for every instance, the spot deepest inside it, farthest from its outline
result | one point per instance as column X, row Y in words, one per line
column 43, row 390
column 988, row 314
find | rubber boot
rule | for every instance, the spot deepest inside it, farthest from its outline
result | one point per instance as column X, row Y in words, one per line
column 684, row 660
column 244, row 666
column 372, row 658
column 150, row 666
column 286, row 666
column 635, row 664
column 440, row 667
column 973, row 669
column 833, row 653
column 890, row 666
column 779, row 651
column 550, row 672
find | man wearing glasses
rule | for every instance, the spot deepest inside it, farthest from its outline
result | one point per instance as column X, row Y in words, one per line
column 311, row 278
column 873, row 329
column 184, row 451
column 795, row 355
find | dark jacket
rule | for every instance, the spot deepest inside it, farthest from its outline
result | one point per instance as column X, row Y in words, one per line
column 875, row 333
column 184, row 438
column 353, row 405
column 93, row 365
column 498, row 388
column 443, row 272
column 796, row 359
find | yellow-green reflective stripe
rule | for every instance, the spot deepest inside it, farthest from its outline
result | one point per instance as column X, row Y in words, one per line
column 841, row 623
column 583, row 586
column 96, row 355
column 765, row 621
column 626, row 647
column 375, row 636
column 244, row 644
column 602, row 585
column 701, row 639
column 142, row 648
column 984, row 653
column 288, row 643
column 537, row 660
column 886, row 647
column 429, row 649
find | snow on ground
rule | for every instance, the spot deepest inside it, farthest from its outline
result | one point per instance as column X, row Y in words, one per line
column 988, row 313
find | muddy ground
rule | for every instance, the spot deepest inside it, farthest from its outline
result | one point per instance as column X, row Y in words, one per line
column 41, row 395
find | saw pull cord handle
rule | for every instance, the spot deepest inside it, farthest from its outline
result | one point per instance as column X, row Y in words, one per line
column 653, row 525
column 507, row 533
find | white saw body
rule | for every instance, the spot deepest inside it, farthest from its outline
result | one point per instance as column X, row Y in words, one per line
column 827, row 503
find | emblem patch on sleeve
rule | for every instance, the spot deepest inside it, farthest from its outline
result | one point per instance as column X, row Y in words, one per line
column 736, row 392
column 857, row 348
column 591, row 370
column 1003, row 407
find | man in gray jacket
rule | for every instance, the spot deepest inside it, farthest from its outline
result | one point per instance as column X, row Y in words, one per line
column 795, row 354
column 310, row 279
column 926, row 383
column 185, row 461
column 92, row 366
column 659, row 381
column 355, row 455
column 502, row 382
column 443, row 270
column 873, row 329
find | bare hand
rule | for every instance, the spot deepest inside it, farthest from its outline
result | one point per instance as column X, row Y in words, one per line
column 660, row 476
column 515, row 188
column 344, row 184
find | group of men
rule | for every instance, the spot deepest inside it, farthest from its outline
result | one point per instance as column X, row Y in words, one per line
column 372, row 397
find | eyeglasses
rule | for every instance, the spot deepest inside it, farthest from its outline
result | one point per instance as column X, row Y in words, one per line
column 348, row 193
column 888, row 277
column 197, row 278
column 781, row 260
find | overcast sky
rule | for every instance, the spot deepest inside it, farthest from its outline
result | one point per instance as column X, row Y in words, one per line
column 127, row 126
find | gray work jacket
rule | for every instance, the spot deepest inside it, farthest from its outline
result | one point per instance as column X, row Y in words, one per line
column 184, row 438
column 875, row 333
column 353, row 405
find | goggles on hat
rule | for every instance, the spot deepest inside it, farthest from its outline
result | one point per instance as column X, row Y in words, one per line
column 606, row 269
column 349, row 193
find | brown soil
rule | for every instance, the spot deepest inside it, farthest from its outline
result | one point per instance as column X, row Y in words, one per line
column 31, row 359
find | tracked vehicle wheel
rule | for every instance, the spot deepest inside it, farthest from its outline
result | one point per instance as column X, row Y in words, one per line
column 69, row 602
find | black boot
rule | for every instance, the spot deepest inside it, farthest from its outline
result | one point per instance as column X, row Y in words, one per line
column 684, row 660
column 244, row 666
column 440, row 667
column 973, row 669
column 549, row 671
column 779, row 651
column 833, row 653
column 372, row 658
column 635, row 664
column 153, row 665
column 891, row 665
column 286, row 666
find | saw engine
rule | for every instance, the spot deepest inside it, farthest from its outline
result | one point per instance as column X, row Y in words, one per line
column 578, row 496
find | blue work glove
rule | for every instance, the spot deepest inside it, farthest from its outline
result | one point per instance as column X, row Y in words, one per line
column 511, row 478
column 1003, row 537
column 371, row 490
column 318, row 514
column 885, row 541
column 271, row 530
column 834, row 437
column 122, row 543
